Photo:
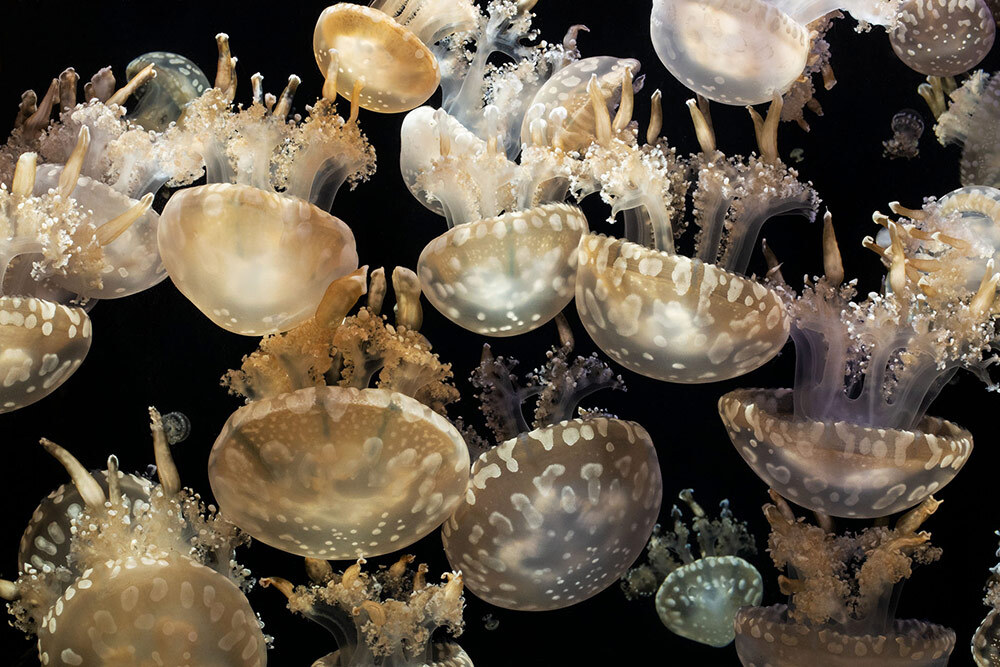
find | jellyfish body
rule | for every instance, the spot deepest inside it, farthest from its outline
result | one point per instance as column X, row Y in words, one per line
column 942, row 39
column 443, row 654
column 699, row 600
column 254, row 262
column 161, row 101
column 554, row 516
column 335, row 473
column 907, row 128
column 839, row 468
column 971, row 121
column 507, row 275
column 986, row 641
column 675, row 318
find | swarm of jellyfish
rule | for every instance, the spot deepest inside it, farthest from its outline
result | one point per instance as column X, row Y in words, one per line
column 255, row 248
column 385, row 616
column 116, row 569
column 842, row 591
column 321, row 464
column 986, row 641
column 656, row 311
column 561, row 506
column 697, row 597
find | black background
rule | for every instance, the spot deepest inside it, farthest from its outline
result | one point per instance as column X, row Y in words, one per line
column 155, row 348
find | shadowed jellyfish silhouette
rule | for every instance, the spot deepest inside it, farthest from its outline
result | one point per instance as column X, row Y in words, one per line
column 386, row 617
column 317, row 463
column 843, row 591
column 697, row 598
column 161, row 100
column 118, row 570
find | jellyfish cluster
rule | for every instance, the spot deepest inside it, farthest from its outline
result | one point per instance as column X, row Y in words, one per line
column 353, row 442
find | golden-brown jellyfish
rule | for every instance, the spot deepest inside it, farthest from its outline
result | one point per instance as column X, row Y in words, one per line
column 386, row 616
column 118, row 570
column 343, row 470
column 971, row 121
column 255, row 248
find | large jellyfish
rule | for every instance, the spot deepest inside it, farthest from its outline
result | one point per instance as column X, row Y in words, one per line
column 697, row 597
column 118, row 570
column 385, row 617
column 852, row 438
column 322, row 465
column 745, row 51
column 656, row 311
column 255, row 248
column 842, row 597
column 559, row 509
column 986, row 641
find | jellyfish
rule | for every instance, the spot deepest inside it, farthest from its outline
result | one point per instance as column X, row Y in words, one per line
column 802, row 93
column 161, row 100
column 656, row 311
column 386, row 616
column 318, row 463
column 746, row 52
column 852, row 438
column 971, row 121
column 115, row 569
column 842, row 593
column 559, row 509
column 907, row 128
column 986, row 641
column 697, row 598
column 254, row 249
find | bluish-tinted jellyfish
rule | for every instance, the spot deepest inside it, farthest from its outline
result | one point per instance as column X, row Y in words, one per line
column 971, row 120
column 744, row 52
column 255, row 248
column 320, row 464
column 161, row 100
column 559, row 508
column 907, row 128
column 656, row 311
column 386, row 616
column 842, row 594
column 116, row 570
column 697, row 596
column 852, row 438
column 986, row 641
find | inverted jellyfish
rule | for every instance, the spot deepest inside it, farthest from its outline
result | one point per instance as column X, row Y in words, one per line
column 842, row 597
column 118, row 570
column 852, row 438
column 986, row 641
column 907, row 128
column 971, row 121
column 656, row 311
column 559, row 508
column 746, row 52
column 320, row 464
column 255, row 248
column 386, row 616
column 697, row 597
column 161, row 100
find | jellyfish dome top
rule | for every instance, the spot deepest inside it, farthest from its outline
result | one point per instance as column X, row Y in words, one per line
column 986, row 641
column 161, row 100
column 320, row 464
column 697, row 597
column 560, row 508
column 385, row 616
column 658, row 312
column 744, row 52
column 118, row 570
column 852, row 438
column 255, row 248
column 970, row 120
column 843, row 591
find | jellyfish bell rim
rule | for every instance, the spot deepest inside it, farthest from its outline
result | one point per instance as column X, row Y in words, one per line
column 595, row 245
column 395, row 40
column 572, row 221
column 946, row 447
column 909, row 634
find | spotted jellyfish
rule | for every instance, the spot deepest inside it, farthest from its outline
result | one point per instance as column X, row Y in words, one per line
column 162, row 100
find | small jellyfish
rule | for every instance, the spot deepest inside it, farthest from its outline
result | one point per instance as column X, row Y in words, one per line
column 388, row 616
column 986, row 641
column 907, row 128
column 177, row 426
column 842, row 593
column 161, row 100
column 116, row 569
column 697, row 598
column 490, row 622
column 343, row 470
column 558, row 510
column 797, row 154
column 255, row 248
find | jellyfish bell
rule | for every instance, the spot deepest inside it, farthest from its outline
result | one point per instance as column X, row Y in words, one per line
column 675, row 318
column 986, row 641
column 443, row 654
column 942, row 39
column 162, row 100
column 506, row 275
column 699, row 600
